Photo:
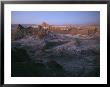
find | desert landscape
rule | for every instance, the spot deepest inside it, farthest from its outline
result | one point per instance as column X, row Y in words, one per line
column 46, row 50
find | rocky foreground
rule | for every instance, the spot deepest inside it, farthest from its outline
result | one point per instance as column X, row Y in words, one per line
column 42, row 53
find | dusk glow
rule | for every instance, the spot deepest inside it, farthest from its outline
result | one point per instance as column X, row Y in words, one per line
column 55, row 17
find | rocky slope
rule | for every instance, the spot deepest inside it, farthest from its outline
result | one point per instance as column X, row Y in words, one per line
column 44, row 53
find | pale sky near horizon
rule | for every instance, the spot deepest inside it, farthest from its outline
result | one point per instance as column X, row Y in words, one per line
column 55, row 17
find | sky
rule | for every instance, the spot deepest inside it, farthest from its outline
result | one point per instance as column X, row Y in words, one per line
column 55, row 17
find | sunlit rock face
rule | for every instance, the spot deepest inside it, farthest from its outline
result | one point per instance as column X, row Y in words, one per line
column 43, row 52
